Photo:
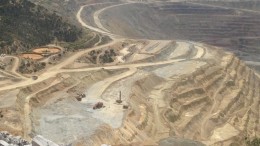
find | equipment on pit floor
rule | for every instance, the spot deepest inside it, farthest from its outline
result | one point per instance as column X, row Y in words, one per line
column 119, row 101
column 34, row 77
column 80, row 96
column 98, row 105
column 125, row 106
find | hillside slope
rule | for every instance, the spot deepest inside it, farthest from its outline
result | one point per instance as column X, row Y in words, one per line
column 68, row 8
column 248, row 5
column 24, row 24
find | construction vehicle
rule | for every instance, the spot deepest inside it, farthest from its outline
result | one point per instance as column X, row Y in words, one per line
column 119, row 101
column 98, row 105
column 125, row 106
column 80, row 96
column 34, row 77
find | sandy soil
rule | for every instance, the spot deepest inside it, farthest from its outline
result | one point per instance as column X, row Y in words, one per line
column 46, row 50
column 32, row 56
column 8, row 99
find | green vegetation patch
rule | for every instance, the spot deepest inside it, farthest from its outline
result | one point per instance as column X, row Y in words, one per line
column 24, row 25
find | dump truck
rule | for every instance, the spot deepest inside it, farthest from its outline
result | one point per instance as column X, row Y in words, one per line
column 34, row 77
column 98, row 105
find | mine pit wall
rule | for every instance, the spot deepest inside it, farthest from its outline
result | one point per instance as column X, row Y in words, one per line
column 142, row 105
column 88, row 12
column 186, row 96
column 235, row 83
column 234, row 76
column 162, row 54
column 232, row 82
column 234, row 86
column 144, row 86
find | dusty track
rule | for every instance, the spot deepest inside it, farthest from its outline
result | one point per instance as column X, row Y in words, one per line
column 58, row 68
column 88, row 26
column 15, row 66
column 97, row 13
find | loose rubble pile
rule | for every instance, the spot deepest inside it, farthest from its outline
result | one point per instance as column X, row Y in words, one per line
column 7, row 139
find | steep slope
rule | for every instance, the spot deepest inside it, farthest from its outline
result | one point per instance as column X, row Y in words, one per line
column 67, row 8
column 24, row 24
column 218, row 104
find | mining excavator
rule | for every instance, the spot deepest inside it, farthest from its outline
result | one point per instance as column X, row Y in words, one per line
column 80, row 96
column 119, row 101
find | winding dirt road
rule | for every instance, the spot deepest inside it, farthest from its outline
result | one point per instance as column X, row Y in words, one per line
column 53, row 71
column 91, row 27
column 97, row 89
column 15, row 67
column 97, row 19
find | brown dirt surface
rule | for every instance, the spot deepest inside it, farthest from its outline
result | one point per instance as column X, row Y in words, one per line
column 46, row 50
column 32, row 56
